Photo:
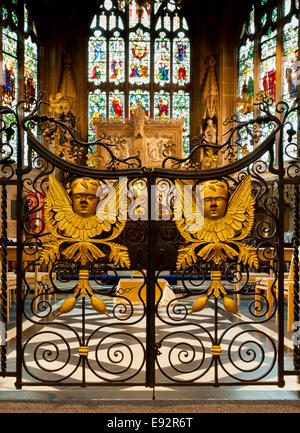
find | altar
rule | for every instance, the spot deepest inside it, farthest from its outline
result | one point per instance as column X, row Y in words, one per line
column 147, row 136
column 129, row 289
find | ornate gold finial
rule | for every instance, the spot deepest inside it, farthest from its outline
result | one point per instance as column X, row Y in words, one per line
column 83, row 221
column 214, row 231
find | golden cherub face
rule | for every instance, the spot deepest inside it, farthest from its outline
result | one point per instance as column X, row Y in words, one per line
column 215, row 199
column 84, row 198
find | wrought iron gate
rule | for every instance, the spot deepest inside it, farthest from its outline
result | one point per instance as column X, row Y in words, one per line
column 150, row 296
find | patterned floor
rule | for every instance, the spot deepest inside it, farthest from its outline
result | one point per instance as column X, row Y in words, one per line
column 116, row 352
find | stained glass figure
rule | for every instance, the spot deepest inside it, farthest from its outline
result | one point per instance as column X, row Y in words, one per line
column 97, row 58
column 97, row 108
column 30, row 68
column 10, row 66
column 137, row 98
column 290, row 56
column 117, row 60
column 161, row 105
column 162, row 63
column 268, row 64
column 116, row 104
column 245, row 78
column 181, row 60
column 139, row 57
column 181, row 105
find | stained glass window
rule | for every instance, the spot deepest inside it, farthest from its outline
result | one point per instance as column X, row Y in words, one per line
column 116, row 104
column 137, row 98
column 19, row 71
column 139, row 56
column 268, row 57
column 162, row 105
column 97, row 108
column 181, row 109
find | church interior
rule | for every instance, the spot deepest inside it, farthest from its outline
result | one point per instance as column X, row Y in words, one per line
column 171, row 87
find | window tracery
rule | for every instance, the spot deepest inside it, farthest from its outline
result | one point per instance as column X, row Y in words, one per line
column 139, row 58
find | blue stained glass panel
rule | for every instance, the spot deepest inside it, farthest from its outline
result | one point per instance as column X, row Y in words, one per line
column 181, row 109
column 97, row 109
column 139, row 97
column 97, row 59
column 181, row 60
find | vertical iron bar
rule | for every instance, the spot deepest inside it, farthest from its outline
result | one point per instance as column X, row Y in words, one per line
column 4, row 275
column 280, row 262
column 216, row 342
column 83, row 384
column 150, row 297
column 20, row 265
column 296, row 270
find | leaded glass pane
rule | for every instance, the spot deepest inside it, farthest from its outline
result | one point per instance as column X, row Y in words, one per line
column 181, row 109
column 117, row 60
column 167, row 22
column 176, row 23
column 263, row 20
column 134, row 14
column 251, row 26
column 162, row 60
column 245, row 80
column 116, row 104
column 290, row 57
column 139, row 97
column 161, row 105
column 184, row 24
column 274, row 15
column 30, row 68
column 181, row 60
column 103, row 21
column 112, row 21
column 14, row 18
column 97, row 59
column 10, row 67
column 290, row 77
column 139, row 57
column 158, row 24
column 26, row 24
column 287, row 6
column 108, row 4
column 268, row 64
column 97, row 108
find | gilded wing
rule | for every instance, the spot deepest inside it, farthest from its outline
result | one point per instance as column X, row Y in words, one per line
column 238, row 221
column 59, row 215
column 188, row 214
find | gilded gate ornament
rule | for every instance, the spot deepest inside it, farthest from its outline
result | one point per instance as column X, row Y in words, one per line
column 79, row 226
column 214, row 231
